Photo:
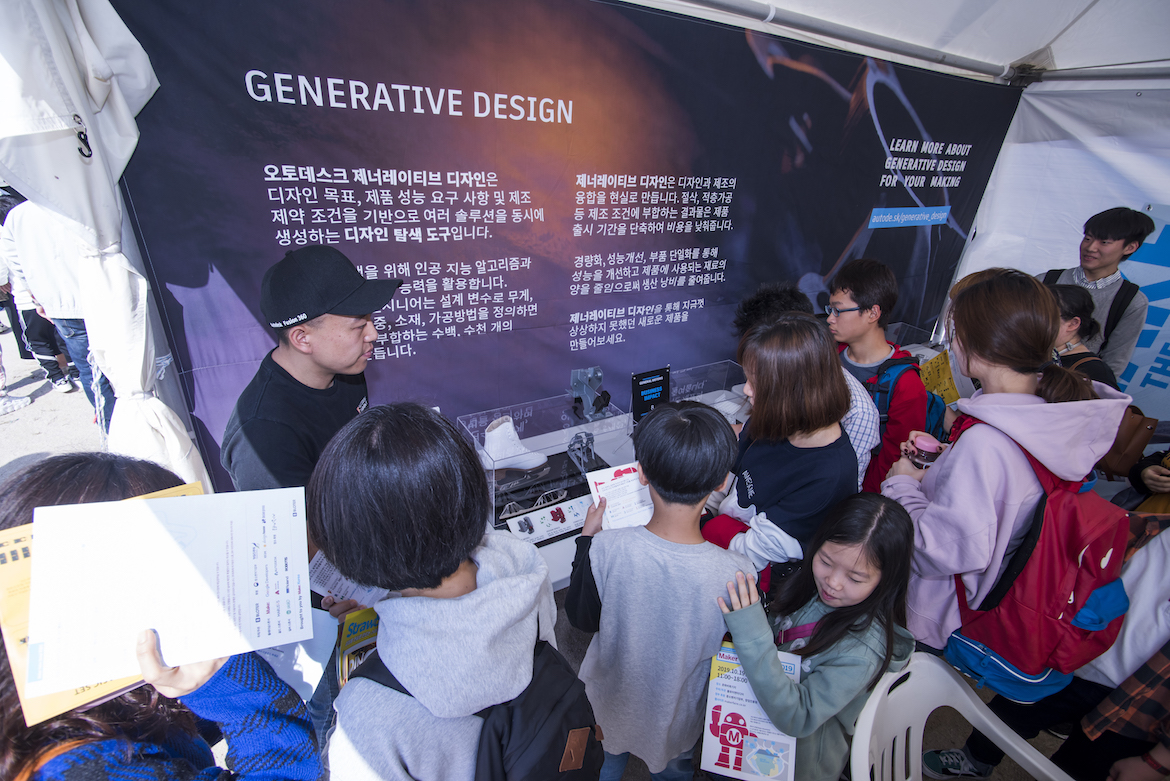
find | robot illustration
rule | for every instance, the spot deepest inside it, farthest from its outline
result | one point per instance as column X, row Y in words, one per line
column 731, row 734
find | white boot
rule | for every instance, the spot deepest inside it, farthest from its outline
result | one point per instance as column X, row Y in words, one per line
column 502, row 448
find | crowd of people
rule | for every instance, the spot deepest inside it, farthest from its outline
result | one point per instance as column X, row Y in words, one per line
column 811, row 528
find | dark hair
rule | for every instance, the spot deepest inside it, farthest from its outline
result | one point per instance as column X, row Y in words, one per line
column 883, row 529
column 398, row 498
column 686, row 450
column 1075, row 301
column 139, row 715
column 794, row 370
column 1120, row 223
column 1011, row 319
column 869, row 283
column 769, row 302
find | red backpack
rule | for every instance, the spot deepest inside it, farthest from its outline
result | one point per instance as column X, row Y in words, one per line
column 1059, row 603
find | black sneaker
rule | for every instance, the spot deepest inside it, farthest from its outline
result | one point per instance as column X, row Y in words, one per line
column 951, row 763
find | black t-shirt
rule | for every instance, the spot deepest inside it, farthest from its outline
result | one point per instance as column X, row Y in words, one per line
column 795, row 486
column 279, row 426
column 1091, row 366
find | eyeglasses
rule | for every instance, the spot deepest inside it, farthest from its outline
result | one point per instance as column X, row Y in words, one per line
column 833, row 311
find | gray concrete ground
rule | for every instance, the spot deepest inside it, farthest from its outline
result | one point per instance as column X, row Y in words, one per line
column 53, row 423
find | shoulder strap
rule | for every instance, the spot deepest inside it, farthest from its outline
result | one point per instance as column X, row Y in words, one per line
column 1049, row 483
column 1121, row 302
column 373, row 668
column 1086, row 359
column 1052, row 276
column 961, row 424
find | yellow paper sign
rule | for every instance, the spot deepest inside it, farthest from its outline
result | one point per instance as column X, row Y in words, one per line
column 936, row 376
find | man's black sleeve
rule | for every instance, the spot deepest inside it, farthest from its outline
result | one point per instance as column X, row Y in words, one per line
column 583, row 603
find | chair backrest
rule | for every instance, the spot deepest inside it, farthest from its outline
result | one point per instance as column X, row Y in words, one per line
column 887, row 744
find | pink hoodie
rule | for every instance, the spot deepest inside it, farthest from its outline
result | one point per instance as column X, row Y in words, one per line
column 974, row 504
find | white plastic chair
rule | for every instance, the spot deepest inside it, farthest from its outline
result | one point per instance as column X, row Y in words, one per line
column 887, row 745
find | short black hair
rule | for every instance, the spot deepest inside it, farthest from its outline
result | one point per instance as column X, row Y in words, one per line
column 1122, row 223
column 686, row 450
column 869, row 283
column 770, row 300
column 398, row 498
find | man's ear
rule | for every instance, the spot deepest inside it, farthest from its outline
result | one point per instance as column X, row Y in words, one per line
column 874, row 313
column 1129, row 249
column 300, row 339
column 641, row 475
column 726, row 482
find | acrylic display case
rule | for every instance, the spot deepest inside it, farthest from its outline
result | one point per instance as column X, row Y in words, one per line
column 719, row 385
column 545, row 502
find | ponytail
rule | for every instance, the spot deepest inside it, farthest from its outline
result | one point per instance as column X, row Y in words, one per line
column 1059, row 384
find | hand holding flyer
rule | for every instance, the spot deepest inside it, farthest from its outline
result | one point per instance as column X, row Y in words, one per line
column 628, row 502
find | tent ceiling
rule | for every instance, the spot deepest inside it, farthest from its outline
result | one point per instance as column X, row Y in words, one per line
column 1111, row 38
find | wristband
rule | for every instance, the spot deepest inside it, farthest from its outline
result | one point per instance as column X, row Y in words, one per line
column 1165, row 771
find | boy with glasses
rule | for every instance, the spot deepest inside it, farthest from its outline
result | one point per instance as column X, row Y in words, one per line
column 864, row 293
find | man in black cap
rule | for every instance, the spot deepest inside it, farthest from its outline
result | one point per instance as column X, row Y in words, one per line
column 313, row 382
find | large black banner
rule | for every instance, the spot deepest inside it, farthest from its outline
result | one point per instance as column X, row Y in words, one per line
column 560, row 183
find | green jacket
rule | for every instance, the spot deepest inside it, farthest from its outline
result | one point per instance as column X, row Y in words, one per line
column 821, row 711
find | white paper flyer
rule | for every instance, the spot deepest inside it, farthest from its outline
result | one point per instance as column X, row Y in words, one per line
column 741, row 741
column 328, row 582
column 213, row 575
column 628, row 502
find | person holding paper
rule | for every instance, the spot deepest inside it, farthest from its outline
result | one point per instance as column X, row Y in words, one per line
column 844, row 614
column 144, row 733
column 646, row 668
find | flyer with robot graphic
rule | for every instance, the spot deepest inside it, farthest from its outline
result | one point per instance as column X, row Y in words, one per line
column 741, row 741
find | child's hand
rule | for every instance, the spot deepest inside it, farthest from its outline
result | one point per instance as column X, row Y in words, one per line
column 340, row 610
column 742, row 593
column 172, row 681
column 593, row 519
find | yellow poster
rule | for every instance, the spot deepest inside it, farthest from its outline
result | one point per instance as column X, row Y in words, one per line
column 936, row 376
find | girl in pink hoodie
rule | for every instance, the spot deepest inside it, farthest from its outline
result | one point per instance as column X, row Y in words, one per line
column 971, row 508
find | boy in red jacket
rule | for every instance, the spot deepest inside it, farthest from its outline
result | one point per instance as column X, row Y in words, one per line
column 864, row 293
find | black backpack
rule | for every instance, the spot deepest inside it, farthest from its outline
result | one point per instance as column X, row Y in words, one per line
column 1121, row 302
column 547, row 732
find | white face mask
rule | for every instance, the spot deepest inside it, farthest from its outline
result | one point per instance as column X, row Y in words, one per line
column 958, row 359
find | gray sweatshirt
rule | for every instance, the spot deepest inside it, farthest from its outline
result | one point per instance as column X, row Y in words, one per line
column 457, row 657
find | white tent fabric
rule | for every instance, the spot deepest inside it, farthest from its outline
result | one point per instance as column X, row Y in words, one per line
column 1064, row 36
column 1072, row 151
column 72, row 77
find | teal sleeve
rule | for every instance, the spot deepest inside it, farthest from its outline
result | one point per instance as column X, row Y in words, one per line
column 798, row 709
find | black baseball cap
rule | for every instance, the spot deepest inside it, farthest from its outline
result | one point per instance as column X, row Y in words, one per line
column 318, row 280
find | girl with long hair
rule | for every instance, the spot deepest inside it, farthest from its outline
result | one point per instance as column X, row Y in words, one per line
column 971, row 508
column 844, row 614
